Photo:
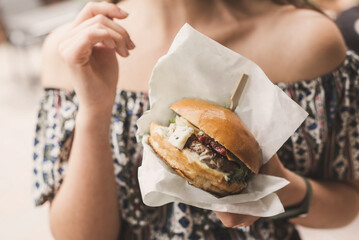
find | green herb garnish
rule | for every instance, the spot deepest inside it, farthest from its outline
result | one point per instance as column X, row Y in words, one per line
column 240, row 174
column 173, row 120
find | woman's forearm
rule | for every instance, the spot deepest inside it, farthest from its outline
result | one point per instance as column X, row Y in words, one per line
column 86, row 205
column 333, row 205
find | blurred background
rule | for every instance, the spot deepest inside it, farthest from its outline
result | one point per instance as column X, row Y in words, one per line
column 23, row 26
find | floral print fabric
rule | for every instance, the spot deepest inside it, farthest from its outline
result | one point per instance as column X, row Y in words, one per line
column 325, row 146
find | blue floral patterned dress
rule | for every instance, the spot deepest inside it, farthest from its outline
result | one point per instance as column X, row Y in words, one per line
column 326, row 146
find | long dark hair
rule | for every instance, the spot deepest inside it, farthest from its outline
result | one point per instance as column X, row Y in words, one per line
column 298, row 3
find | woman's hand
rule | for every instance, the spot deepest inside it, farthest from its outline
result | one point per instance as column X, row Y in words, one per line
column 89, row 50
column 288, row 196
column 236, row 220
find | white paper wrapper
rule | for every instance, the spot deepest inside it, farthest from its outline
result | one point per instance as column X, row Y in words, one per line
column 196, row 66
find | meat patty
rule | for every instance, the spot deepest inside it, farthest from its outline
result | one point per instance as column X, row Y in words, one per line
column 209, row 156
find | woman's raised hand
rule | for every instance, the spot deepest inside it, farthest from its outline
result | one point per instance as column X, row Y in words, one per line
column 89, row 50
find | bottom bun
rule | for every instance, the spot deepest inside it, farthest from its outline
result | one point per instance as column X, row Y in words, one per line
column 188, row 165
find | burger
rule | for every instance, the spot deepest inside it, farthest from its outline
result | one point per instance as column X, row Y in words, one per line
column 208, row 145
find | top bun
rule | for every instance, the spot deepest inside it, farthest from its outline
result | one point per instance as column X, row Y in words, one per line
column 224, row 126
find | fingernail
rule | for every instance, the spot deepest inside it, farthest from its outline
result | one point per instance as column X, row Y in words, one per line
column 131, row 44
column 125, row 52
column 124, row 13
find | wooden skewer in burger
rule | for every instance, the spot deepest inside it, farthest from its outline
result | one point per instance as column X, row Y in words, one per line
column 208, row 145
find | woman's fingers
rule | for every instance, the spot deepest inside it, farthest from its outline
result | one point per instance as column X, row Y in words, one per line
column 103, row 21
column 235, row 220
column 125, row 34
column 97, row 31
column 78, row 49
column 121, row 44
column 95, row 8
column 119, row 41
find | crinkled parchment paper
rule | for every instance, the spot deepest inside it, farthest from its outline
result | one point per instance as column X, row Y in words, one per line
column 197, row 66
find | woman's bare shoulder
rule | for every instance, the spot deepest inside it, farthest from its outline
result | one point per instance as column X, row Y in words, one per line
column 53, row 69
column 317, row 46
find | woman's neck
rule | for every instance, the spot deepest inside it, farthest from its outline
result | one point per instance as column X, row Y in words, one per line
column 218, row 19
column 172, row 14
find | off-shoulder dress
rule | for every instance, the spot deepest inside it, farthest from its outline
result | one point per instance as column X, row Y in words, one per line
column 325, row 146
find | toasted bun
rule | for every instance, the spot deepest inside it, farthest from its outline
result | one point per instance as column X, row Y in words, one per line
column 224, row 126
column 188, row 165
